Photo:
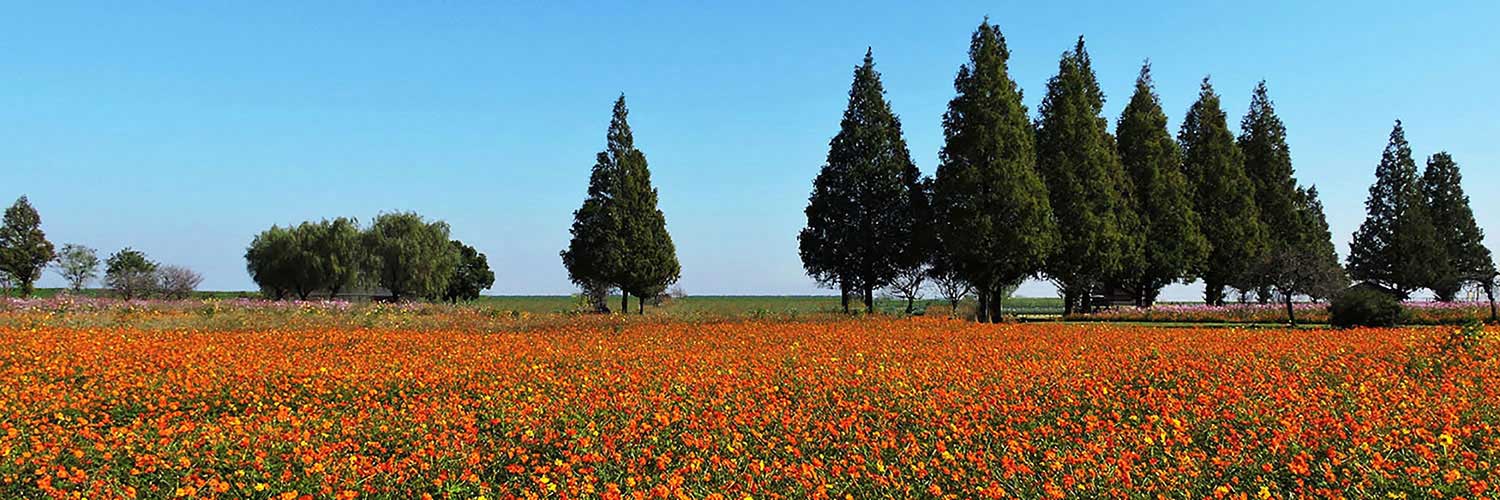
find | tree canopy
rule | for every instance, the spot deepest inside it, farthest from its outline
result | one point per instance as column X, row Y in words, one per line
column 1462, row 241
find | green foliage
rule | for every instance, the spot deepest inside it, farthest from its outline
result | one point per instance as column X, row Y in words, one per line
column 78, row 264
column 1089, row 192
column 619, row 235
column 279, row 262
column 1361, row 306
column 868, row 202
column 471, row 276
column 24, row 249
column 1173, row 245
column 1224, row 197
column 1468, row 261
column 1268, row 164
column 334, row 252
column 409, row 256
column 993, row 217
column 1397, row 246
column 130, row 274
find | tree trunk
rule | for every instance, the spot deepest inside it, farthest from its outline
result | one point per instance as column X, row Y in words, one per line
column 910, row 302
column 844, row 295
column 624, row 302
column 869, row 299
column 1069, row 299
column 1213, row 293
column 983, row 312
column 997, row 306
column 1291, row 314
column 1489, row 291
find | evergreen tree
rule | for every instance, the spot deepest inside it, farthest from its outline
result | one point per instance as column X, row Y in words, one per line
column 1268, row 163
column 1098, row 228
column 595, row 257
column 650, row 257
column 866, row 209
column 24, row 249
column 1468, row 261
column 1173, row 246
column 1224, row 197
column 1397, row 246
column 993, row 216
column 620, row 237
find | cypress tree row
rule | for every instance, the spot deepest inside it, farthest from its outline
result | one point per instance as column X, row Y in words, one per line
column 1468, row 261
column 1396, row 247
column 1097, row 227
column 1268, row 163
column 1224, row 197
column 620, row 237
column 1172, row 246
column 864, row 213
column 991, row 208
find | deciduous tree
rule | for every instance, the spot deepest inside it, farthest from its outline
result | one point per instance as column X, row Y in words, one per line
column 409, row 256
column 78, row 264
column 24, row 249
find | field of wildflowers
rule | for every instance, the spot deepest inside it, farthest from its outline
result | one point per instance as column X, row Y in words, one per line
column 610, row 407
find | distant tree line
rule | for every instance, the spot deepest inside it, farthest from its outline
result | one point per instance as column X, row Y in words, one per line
column 1111, row 215
column 401, row 253
column 619, row 236
column 25, row 253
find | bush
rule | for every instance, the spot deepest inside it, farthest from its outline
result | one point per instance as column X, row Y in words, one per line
column 1364, row 307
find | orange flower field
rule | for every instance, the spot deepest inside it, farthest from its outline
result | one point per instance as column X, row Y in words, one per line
column 872, row 408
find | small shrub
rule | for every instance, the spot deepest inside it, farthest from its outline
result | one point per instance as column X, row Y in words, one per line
column 1362, row 307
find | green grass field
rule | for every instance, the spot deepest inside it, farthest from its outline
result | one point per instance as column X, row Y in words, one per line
column 706, row 305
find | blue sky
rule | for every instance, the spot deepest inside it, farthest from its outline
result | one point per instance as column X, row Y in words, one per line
column 183, row 128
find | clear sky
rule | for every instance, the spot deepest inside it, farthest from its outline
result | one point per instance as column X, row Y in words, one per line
column 183, row 128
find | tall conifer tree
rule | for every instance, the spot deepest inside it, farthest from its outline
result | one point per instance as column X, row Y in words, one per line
column 1468, row 261
column 1397, row 246
column 991, row 207
column 1268, row 163
column 1098, row 229
column 650, row 256
column 1224, row 196
column 596, row 254
column 1173, row 246
column 863, row 214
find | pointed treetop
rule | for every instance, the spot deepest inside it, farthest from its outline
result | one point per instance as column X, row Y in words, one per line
column 620, row 138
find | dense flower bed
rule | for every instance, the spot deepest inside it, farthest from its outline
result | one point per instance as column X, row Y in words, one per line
column 1416, row 312
column 853, row 409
